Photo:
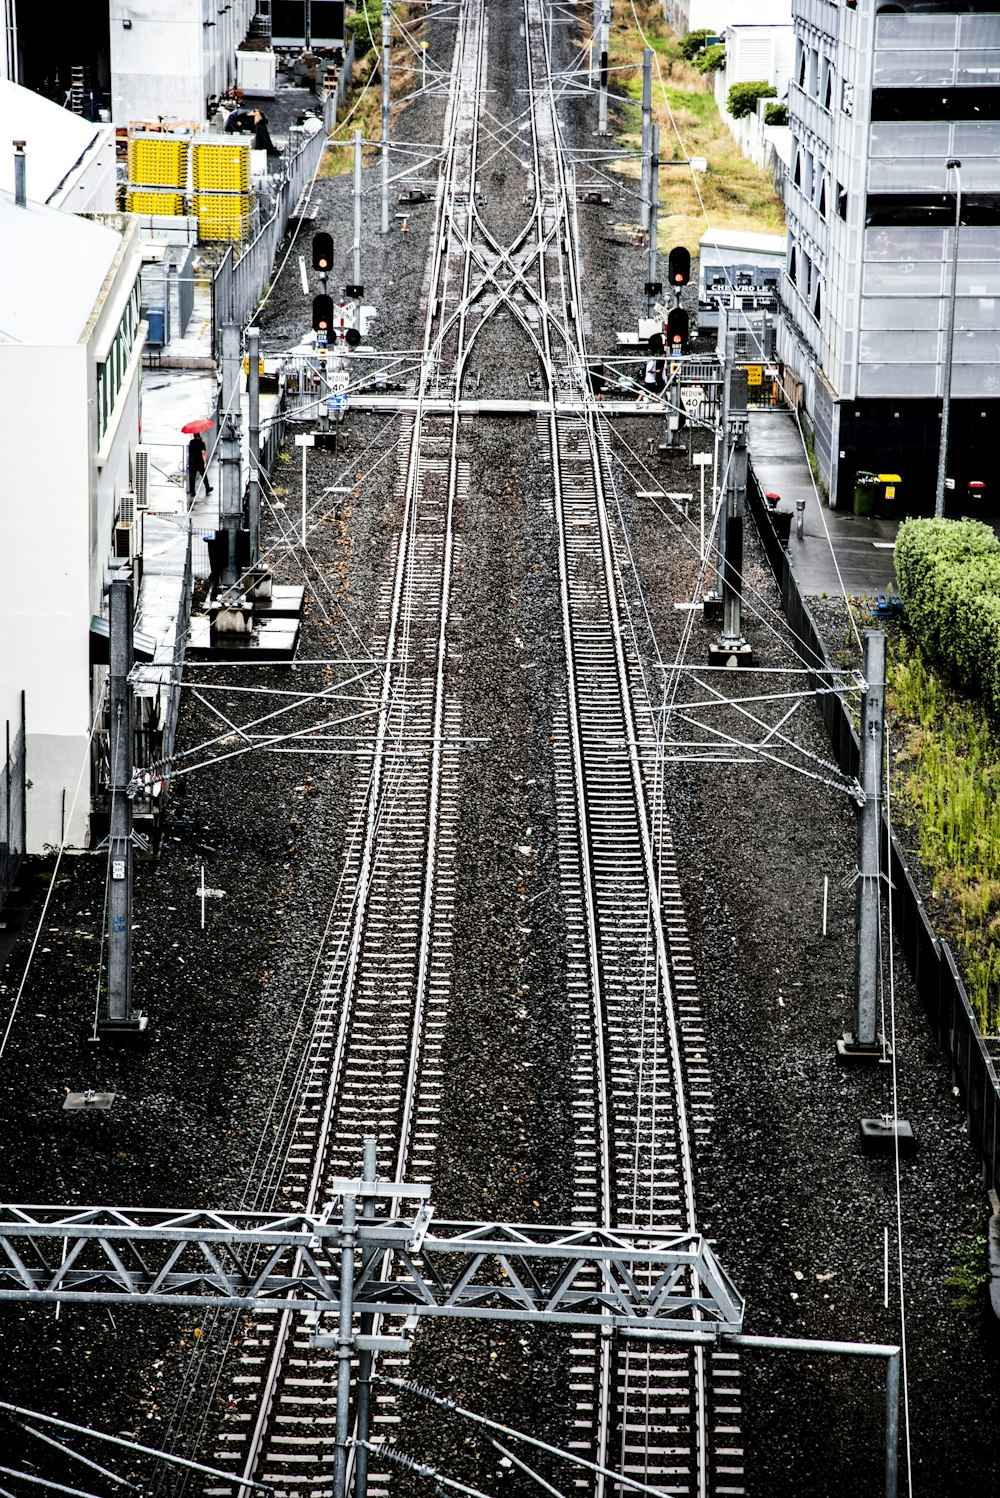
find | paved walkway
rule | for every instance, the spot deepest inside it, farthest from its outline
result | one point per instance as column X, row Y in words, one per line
column 839, row 552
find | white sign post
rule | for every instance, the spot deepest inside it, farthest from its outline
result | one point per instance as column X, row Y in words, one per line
column 701, row 462
column 304, row 441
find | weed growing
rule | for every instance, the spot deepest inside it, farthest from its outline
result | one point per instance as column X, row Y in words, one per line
column 946, row 786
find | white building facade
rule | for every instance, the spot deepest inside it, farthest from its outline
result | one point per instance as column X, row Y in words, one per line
column 71, row 345
column 882, row 96
column 715, row 15
column 70, row 162
column 170, row 57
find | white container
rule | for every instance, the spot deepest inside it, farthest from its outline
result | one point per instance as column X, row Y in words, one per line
column 256, row 73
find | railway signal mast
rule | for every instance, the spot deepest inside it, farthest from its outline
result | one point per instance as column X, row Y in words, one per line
column 118, row 1019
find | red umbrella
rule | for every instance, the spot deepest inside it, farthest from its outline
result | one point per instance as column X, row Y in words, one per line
column 201, row 424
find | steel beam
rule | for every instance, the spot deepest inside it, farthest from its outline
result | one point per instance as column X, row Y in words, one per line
column 494, row 1271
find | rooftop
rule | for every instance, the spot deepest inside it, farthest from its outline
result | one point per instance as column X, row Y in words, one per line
column 56, row 139
column 739, row 239
column 54, row 268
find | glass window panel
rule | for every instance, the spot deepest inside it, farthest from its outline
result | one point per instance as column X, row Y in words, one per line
column 898, row 312
column 894, row 175
column 978, row 279
column 977, row 312
column 977, row 137
column 881, row 347
column 915, row 69
column 904, row 244
column 902, row 278
column 917, row 31
column 974, row 379
column 897, row 379
column 977, row 31
column 977, row 346
column 978, row 67
column 909, row 138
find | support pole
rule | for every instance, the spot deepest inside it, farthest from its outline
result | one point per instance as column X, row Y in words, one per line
column 726, row 348
column 952, row 164
column 365, row 1356
column 231, row 499
column 654, row 211
column 863, row 1042
column 305, row 440
column 356, row 252
column 386, row 80
column 595, row 41
column 731, row 649
column 647, row 118
column 120, row 1019
column 253, row 482
column 345, row 1345
column 892, row 1425
column 602, row 98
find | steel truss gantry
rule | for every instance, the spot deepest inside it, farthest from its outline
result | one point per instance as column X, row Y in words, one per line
column 638, row 1279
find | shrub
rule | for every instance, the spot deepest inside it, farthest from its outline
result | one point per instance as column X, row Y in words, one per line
column 776, row 114
column 693, row 43
column 711, row 59
column 949, row 579
column 742, row 97
column 365, row 23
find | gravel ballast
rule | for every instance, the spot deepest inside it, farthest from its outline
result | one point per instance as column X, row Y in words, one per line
column 796, row 1213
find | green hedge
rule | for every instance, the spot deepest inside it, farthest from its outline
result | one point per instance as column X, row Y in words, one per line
column 742, row 97
column 694, row 42
column 711, row 59
column 948, row 573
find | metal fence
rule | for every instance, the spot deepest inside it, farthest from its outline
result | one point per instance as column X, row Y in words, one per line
column 930, row 960
column 13, row 830
column 239, row 284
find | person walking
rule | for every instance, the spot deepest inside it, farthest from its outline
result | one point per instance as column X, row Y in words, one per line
column 197, row 464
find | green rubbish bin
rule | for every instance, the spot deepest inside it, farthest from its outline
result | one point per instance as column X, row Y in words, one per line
column 875, row 493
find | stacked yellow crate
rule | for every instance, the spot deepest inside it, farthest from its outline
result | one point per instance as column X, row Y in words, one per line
column 221, row 195
column 157, row 173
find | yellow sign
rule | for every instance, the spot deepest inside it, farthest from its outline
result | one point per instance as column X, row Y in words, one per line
column 246, row 365
column 755, row 374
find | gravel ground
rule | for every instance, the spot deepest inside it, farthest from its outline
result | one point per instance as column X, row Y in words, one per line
column 796, row 1212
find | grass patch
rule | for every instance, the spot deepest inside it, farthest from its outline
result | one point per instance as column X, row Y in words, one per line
column 363, row 109
column 968, row 1274
column 946, row 785
column 736, row 194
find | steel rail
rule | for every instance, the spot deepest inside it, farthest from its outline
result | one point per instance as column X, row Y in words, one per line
column 393, row 691
column 576, row 359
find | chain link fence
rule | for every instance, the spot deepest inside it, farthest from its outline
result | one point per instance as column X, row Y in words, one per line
column 239, row 284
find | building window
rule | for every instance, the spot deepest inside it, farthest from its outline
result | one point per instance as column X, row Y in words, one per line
column 111, row 373
column 822, row 196
column 841, row 202
column 797, row 174
column 792, row 266
column 817, row 301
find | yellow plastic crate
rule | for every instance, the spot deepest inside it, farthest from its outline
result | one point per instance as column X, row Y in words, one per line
column 153, row 200
column 158, row 160
column 220, row 166
column 223, row 215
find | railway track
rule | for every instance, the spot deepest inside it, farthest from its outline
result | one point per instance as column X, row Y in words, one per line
column 662, row 1414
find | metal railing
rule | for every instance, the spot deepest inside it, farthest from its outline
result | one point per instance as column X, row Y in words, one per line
column 13, row 827
column 239, row 284
column 930, row 960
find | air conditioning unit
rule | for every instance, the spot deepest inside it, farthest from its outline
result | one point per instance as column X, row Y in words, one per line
column 141, row 482
column 126, row 507
column 124, row 541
